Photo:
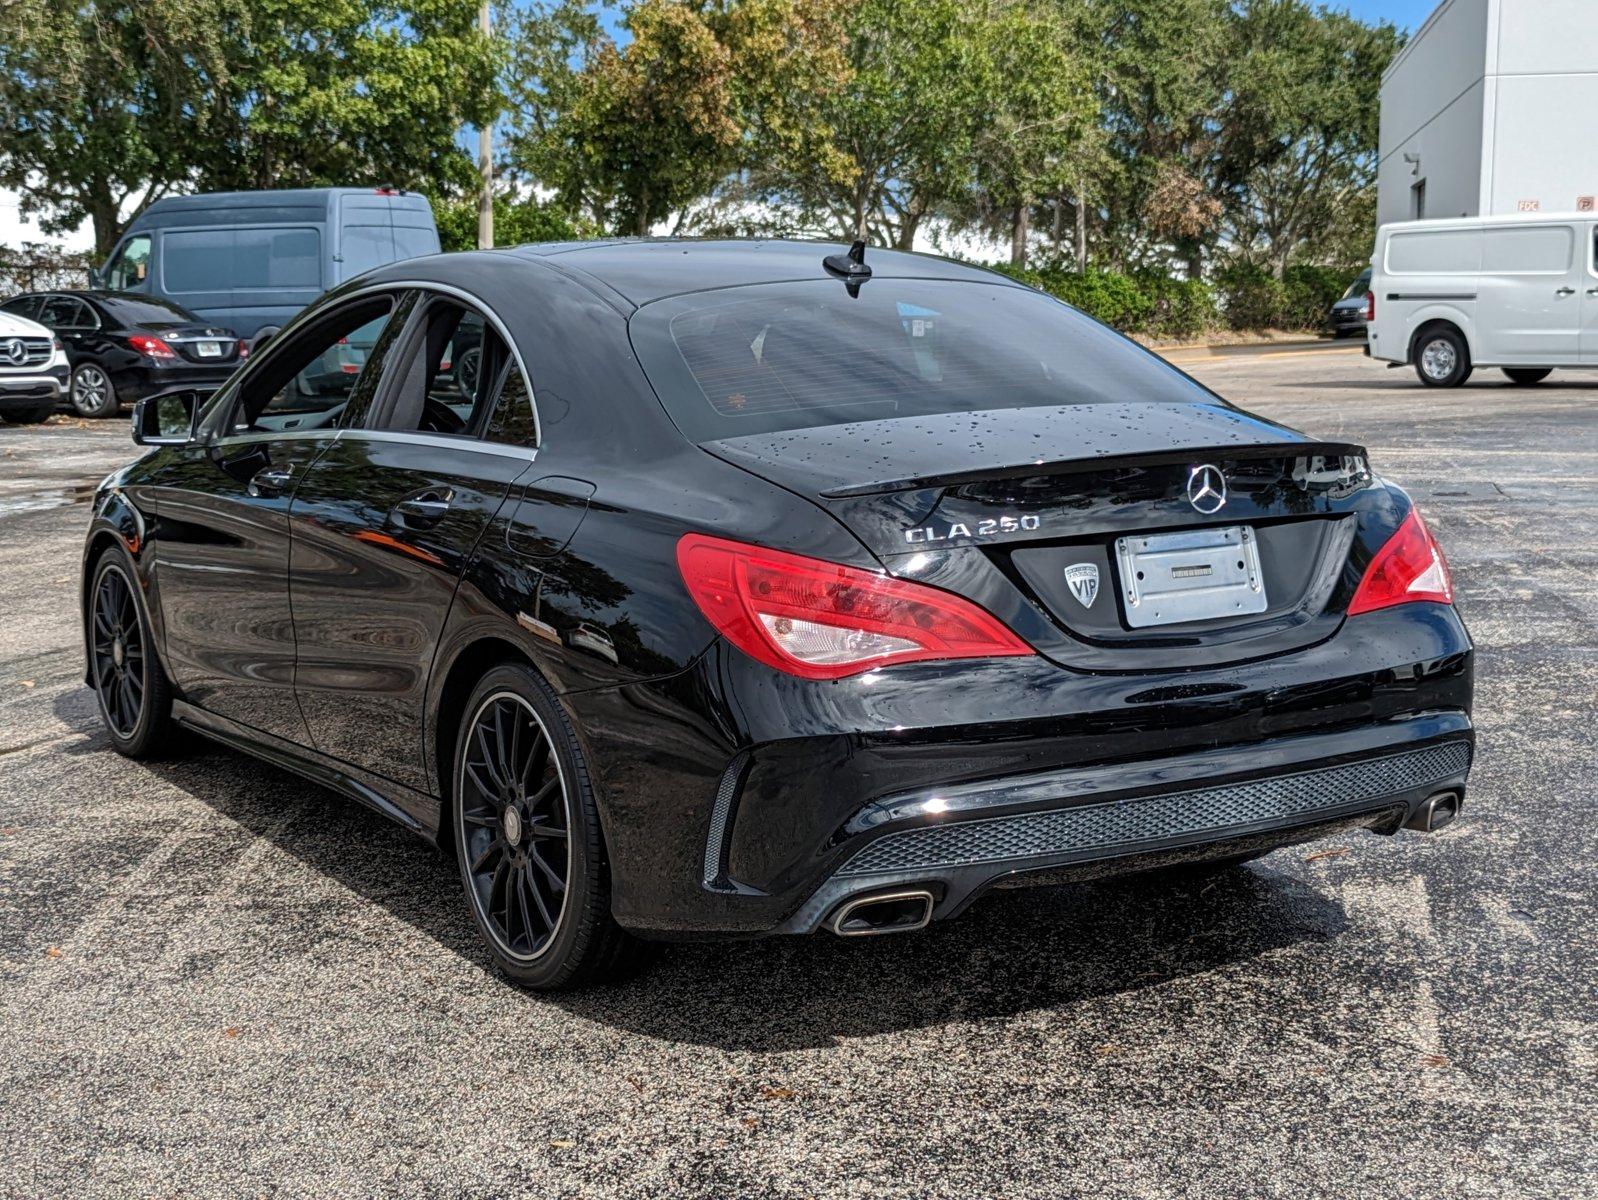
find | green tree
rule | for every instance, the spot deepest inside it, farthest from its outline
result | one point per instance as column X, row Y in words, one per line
column 102, row 101
column 1300, row 141
column 630, row 134
column 109, row 104
column 1035, row 128
column 327, row 92
column 1165, row 73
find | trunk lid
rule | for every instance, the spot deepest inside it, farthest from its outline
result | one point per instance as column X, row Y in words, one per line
column 1037, row 514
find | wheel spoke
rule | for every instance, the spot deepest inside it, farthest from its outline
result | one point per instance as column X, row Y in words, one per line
column 477, row 781
column 481, row 736
column 555, row 881
column 519, row 882
column 488, row 852
column 536, row 762
column 543, row 793
column 531, row 888
column 540, row 830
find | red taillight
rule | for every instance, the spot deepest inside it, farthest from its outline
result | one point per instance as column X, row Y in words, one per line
column 1370, row 308
column 1408, row 568
column 151, row 347
column 821, row 620
column 244, row 349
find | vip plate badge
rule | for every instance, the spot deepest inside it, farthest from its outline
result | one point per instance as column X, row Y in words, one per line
column 1083, row 580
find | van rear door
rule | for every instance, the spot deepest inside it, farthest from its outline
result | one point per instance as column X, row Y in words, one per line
column 377, row 228
column 1531, row 294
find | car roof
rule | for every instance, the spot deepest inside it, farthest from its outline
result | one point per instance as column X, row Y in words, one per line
column 646, row 269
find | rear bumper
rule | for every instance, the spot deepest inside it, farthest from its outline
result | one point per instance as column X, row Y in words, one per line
column 135, row 383
column 1318, row 785
column 739, row 802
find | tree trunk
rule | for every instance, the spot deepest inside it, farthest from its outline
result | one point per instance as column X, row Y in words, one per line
column 107, row 225
column 1019, row 220
column 1081, row 231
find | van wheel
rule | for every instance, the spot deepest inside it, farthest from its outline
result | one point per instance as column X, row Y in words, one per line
column 1526, row 376
column 1442, row 359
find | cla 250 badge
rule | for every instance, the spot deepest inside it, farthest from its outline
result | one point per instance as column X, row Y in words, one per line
column 976, row 529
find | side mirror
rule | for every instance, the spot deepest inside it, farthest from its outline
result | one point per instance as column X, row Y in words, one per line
column 96, row 277
column 166, row 418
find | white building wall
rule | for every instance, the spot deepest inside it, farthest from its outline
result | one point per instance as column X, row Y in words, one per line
column 1499, row 101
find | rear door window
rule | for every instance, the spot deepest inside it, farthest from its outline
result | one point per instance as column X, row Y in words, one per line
column 1536, row 250
column 447, row 385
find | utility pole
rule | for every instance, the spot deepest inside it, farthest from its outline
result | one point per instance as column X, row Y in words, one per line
column 485, row 158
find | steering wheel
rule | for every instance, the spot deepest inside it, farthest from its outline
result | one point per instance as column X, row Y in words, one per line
column 438, row 417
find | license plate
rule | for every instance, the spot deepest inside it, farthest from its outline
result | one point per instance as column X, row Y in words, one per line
column 208, row 349
column 1199, row 575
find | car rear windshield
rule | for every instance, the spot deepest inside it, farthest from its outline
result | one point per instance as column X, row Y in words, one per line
column 146, row 314
column 775, row 357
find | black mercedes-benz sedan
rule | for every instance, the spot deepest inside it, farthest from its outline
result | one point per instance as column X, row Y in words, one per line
column 123, row 346
column 746, row 588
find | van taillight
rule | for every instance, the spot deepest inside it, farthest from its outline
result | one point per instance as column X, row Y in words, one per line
column 1370, row 308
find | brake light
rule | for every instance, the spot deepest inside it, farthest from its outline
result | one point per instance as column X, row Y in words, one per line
column 244, row 349
column 1370, row 308
column 1409, row 568
column 822, row 620
column 151, row 347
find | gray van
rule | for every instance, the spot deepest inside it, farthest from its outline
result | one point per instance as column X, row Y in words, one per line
column 251, row 260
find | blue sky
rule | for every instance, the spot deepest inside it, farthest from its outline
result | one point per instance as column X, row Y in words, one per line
column 1406, row 14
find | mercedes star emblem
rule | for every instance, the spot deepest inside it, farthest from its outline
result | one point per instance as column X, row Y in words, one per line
column 1206, row 489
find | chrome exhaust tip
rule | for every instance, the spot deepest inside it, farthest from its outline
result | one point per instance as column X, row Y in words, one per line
column 1437, row 813
column 885, row 912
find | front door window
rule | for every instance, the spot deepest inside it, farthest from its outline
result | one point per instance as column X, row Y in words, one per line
column 130, row 271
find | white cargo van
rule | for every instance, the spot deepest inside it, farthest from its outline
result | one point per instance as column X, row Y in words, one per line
column 1515, row 292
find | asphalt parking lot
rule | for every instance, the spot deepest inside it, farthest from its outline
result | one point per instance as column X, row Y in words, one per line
column 219, row 980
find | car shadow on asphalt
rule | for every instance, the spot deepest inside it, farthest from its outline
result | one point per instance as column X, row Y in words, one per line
column 1010, row 953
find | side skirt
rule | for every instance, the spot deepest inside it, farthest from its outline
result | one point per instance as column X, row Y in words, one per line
column 415, row 810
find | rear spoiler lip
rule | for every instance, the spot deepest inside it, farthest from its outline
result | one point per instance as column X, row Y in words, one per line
column 1075, row 466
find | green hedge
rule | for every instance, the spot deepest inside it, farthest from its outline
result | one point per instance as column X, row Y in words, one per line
column 516, row 222
column 1161, row 308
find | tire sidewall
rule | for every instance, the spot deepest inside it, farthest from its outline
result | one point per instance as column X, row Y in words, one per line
column 1462, row 364
column 587, row 897
column 112, row 405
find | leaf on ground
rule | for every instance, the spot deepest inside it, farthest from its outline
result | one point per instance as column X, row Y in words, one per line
column 52, row 952
column 638, row 1085
column 776, row 1093
column 1433, row 1060
column 749, row 1122
column 27, row 683
column 1108, row 1048
column 232, row 1031
column 1337, row 852
column 562, row 1143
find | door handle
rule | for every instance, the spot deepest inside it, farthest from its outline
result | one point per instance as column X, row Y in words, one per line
column 1566, row 291
column 270, row 481
column 424, row 508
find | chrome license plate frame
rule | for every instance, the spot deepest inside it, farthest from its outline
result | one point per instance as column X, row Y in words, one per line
column 1196, row 575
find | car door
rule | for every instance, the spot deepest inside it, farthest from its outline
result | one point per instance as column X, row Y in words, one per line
column 1530, row 306
column 222, row 542
column 384, row 524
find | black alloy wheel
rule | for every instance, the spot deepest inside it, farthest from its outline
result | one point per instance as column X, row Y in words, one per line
column 135, row 699
column 527, row 838
column 518, row 832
